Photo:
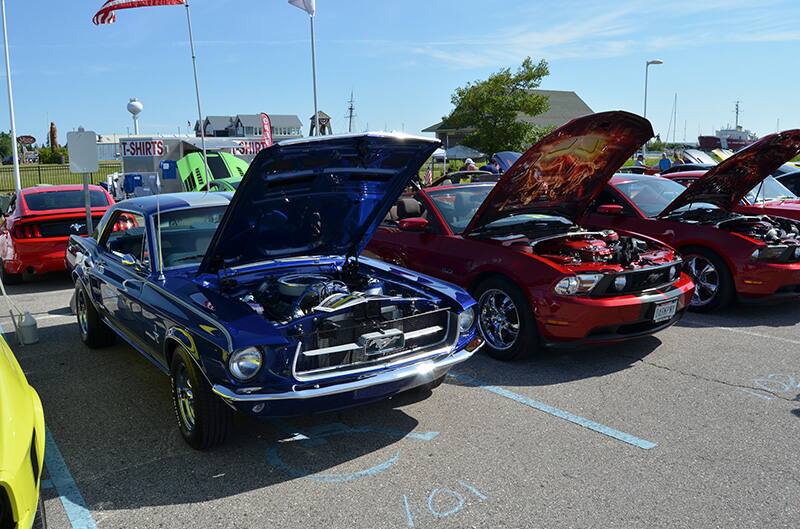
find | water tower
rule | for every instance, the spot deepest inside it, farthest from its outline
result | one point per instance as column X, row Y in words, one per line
column 135, row 107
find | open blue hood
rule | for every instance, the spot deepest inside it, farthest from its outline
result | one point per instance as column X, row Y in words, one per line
column 319, row 196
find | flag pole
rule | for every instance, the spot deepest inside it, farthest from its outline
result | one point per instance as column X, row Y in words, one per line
column 15, row 154
column 314, row 75
column 197, row 94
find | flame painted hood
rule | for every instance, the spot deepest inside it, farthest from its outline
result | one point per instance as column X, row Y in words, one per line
column 562, row 173
column 725, row 185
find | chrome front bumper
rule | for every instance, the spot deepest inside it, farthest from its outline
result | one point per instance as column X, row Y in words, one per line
column 425, row 371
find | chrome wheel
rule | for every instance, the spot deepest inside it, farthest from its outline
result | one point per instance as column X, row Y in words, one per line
column 498, row 319
column 184, row 398
column 83, row 317
column 706, row 279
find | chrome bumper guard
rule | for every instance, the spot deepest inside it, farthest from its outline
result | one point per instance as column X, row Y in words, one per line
column 431, row 369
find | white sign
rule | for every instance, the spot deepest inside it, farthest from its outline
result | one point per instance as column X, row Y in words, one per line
column 82, row 148
column 247, row 147
column 143, row 148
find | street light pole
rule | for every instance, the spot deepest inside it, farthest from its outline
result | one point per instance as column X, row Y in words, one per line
column 15, row 154
column 646, row 74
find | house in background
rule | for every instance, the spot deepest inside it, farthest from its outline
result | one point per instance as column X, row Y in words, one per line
column 564, row 106
column 284, row 126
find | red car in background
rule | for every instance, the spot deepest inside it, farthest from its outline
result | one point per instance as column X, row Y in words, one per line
column 769, row 197
column 538, row 277
column 727, row 253
column 38, row 223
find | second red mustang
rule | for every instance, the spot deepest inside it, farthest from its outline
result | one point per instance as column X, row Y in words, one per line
column 538, row 277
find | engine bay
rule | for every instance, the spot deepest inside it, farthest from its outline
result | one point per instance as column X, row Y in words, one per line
column 771, row 230
column 293, row 295
column 604, row 250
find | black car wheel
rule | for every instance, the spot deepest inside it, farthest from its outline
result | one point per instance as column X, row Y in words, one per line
column 93, row 330
column 713, row 282
column 203, row 419
column 505, row 320
column 9, row 279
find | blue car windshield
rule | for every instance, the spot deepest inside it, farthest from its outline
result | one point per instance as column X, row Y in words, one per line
column 186, row 234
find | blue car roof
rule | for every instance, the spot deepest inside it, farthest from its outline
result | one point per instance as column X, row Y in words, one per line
column 149, row 205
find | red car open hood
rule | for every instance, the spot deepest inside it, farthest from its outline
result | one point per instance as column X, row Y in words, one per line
column 563, row 172
column 724, row 185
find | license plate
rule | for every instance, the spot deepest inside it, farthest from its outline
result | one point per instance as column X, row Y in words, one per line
column 665, row 311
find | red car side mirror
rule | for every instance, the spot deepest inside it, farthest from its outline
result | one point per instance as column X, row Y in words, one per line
column 610, row 209
column 413, row 224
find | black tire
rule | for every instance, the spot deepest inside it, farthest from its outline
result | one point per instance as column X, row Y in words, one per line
column 526, row 342
column 696, row 260
column 203, row 418
column 93, row 330
column 9, row 279
column 40, row 520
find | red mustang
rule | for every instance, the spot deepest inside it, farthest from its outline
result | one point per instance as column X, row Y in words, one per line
column 769, row 197
column 538, row 277
column 726, row 253
column 38, row 223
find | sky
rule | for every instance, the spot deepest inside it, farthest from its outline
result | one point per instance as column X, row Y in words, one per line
column 401, row 59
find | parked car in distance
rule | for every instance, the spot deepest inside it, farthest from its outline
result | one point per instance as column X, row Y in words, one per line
column 226, row 169
column 768, row 197
column 22, row 445
column 791, row 181
column 683, row 167
column 263, row 305
column 38, row 224
column 729, row 255
column 539, row 277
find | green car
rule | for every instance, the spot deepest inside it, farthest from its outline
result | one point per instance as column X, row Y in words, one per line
column 226, row 171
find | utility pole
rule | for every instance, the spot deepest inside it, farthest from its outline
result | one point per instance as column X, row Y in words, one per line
column 350, row 112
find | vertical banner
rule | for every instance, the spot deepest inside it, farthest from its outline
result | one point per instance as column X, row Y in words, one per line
column 266, row 130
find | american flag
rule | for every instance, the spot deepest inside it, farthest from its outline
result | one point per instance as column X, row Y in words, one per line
column 106, row 14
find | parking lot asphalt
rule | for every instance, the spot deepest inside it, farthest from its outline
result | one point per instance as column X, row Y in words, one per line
column 695, row 427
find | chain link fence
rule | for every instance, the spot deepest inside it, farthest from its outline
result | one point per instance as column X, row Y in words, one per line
column 37, row 174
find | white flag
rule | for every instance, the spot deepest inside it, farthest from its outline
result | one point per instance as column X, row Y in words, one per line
column 309, row 6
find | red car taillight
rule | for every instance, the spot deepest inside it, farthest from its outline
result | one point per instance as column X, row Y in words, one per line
column 26, row 231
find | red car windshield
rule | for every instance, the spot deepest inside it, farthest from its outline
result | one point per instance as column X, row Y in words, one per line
column 652, row 194
column 72, row 199
column 769, row 189
column 459, row 204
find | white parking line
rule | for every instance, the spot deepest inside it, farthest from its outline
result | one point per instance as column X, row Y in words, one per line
column 740, row 331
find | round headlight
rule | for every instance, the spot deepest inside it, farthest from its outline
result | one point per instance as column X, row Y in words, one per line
column 567, row 286
column 465, row 320
column 245, row 363
column 620, row 282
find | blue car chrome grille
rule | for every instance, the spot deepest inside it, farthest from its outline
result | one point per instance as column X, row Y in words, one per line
column 369, row 343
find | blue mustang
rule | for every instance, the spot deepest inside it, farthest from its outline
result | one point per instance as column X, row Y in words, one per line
column 259, row 302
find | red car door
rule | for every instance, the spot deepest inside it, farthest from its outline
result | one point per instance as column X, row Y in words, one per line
column 409, row 248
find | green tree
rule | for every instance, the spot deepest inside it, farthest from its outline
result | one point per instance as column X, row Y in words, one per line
column 490, row 108
column 5, row 145
column 56, row 155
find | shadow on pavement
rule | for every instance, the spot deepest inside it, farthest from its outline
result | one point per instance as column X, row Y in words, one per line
column 559, row 366
column 111, row 414
column 777, row 314
column 42, row 284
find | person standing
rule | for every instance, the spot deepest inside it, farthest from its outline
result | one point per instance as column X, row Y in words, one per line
column 664, row 163
column 639, row 161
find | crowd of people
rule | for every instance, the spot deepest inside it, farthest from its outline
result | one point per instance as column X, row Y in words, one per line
column 664, row 163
